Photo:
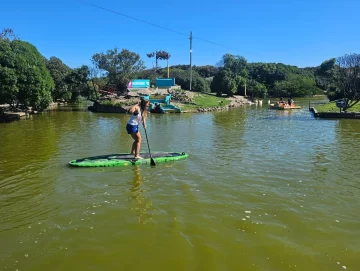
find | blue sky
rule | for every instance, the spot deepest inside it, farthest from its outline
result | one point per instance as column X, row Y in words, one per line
column 302, row 33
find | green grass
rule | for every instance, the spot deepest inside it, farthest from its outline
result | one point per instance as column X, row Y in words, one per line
column 204, row 101
column 199, row 100
column 331, row 107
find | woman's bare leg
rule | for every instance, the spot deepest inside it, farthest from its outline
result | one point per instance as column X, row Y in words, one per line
column 136, row 144
column 133, row 147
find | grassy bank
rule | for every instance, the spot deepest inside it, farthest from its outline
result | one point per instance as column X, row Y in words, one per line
column 331, row 107
column 204, row 101
column 199, row 100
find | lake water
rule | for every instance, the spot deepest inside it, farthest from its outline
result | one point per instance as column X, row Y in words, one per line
column 261, row 190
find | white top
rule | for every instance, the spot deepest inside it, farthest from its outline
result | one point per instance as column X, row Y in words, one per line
column 135, row 119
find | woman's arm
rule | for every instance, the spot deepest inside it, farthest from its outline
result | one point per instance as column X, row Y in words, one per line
column 144, row 120
column 134, row 108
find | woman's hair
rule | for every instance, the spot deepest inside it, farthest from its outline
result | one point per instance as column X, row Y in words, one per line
column 143, row 106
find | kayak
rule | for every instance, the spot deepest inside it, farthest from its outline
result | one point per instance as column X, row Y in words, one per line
column 126, row 159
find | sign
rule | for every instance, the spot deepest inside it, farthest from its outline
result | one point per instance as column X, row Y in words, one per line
column 165, row 82
column 139, row 83
column 340, row 103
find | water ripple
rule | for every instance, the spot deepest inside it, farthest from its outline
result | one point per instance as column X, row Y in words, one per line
column 260, row 190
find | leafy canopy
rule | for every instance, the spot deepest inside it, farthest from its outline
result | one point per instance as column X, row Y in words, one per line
column 120, row 66
column 24, row 78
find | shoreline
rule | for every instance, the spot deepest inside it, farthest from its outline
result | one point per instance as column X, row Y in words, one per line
column 334, row 115
column 235, row 101
column 18, row 114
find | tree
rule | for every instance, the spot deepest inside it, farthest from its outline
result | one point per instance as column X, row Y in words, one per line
column 349, row 80
column 8, row 78
column 297, row 86
column 181, row 67
column 266, row 73
column 59, row 71
column 119, row 66
column 162, row 55
column 256, row 89
column 76, row 81
column 8, row 34
column 24, row 77
column 236, row 64
column 231, row 76
column 8, row 88
column 206, row 71
column 93, row 84
column 182, row 78
column 327, row 75
column 227, row 82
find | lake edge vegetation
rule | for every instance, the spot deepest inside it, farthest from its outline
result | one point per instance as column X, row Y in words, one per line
column 28, row 79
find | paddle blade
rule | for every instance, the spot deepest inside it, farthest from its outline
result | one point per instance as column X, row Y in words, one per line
column 152, row 162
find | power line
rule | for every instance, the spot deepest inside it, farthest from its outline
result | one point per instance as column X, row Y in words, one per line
column 136, row 19
column 209, row 41
column 149, row 23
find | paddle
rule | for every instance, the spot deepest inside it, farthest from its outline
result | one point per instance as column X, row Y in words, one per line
column 152, row 162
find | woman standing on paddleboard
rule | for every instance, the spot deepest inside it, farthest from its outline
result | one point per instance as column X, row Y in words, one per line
column 138, row 114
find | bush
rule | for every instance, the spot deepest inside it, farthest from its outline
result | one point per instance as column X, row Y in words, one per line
column 112, row 103
column 226, row 82
column 334, row 95
column 120, row 103
column 24, row 78
column 182, row 78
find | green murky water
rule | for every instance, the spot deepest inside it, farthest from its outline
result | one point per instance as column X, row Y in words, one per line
column 261, row 190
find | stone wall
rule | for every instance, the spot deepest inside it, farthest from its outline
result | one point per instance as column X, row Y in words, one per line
column 12, row 116
column 107, row 108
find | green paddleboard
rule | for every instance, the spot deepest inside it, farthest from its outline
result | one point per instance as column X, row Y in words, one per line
column 125, row 159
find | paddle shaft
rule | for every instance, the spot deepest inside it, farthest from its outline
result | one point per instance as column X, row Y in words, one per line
column 152, row 162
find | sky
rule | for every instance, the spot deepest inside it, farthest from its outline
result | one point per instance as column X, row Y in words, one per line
column 303, row 33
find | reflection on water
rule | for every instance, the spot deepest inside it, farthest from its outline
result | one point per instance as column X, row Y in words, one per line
column 142, row 206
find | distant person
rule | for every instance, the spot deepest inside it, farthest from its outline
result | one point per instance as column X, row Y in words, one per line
column 138, row 114
column 280, row 101
column 156, row 109
column 290, row 101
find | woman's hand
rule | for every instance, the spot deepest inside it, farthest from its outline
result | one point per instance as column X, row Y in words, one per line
column 134, row 108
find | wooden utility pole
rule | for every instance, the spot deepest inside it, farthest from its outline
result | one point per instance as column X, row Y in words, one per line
column 190, row 59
